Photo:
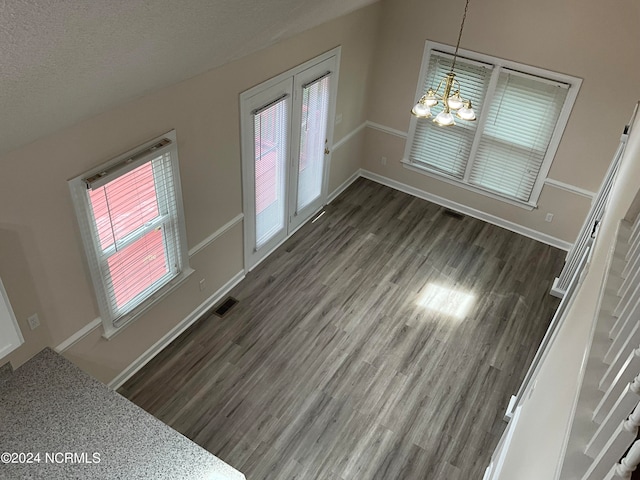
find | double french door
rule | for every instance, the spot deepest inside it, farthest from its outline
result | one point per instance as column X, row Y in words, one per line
column 286, row 130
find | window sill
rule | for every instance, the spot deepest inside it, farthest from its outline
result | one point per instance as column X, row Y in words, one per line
column 111, row 331
column 438, row 176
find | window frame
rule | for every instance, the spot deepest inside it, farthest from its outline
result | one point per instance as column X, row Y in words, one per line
column 170, row 219
column 499, row 64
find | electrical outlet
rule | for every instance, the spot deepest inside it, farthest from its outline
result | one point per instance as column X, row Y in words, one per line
column 549, row 217
column 338, row 118
column 383, row 160
column 34, row 321
column 203, row 284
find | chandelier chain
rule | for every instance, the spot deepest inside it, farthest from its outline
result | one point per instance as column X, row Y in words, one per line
column 464, row 17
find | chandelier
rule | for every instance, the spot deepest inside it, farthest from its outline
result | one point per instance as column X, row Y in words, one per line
column 450, row 97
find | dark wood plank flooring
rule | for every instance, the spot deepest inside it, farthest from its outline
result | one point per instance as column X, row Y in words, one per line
column 328, row 368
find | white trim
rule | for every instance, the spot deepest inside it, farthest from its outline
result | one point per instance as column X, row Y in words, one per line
column 555, row 291
column 385, row 129
column 175, row 332
column 569, row 188
column 79, row 335
column 508, row 415
column 547, row 181
column 349, row 136
column 215, row 235
column 346, row 184
column 424, row 170
column 472, row 212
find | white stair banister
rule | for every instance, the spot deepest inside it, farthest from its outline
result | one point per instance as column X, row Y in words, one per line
column 620, row 372
column 624, row 470
column 634, row 242
column 627, row 401
column 627, row 316
column 615, row 447
column 629, row 289
column 608, row 402
column 629, row 335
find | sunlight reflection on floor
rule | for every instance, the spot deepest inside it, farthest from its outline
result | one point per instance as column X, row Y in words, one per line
column 451, row 302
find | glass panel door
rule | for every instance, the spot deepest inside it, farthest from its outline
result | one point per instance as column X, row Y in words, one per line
column 285, row 132
column 313, row 134
column 312, row 110
column 270, row 155
column 266, row 126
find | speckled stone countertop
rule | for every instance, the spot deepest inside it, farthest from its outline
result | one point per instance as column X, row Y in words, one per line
column 51, row 407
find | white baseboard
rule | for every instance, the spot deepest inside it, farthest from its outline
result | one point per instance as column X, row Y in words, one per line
column 472, row 212
column 79, row 335
column 175, row 332
column 332, row 196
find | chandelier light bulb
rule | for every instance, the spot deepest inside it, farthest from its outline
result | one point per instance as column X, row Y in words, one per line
column 430, row 98
column 444, row 119
column 421, row 110
column 455, row 102
column 466, row 112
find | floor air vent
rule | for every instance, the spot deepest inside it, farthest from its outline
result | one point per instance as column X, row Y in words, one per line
column 222, row 309
column 452, row 214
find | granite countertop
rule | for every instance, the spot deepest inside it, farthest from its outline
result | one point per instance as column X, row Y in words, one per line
column 52, row 408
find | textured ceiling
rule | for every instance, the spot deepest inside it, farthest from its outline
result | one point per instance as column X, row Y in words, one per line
column 65, row 60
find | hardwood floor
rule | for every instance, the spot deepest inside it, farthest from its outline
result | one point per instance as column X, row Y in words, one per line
column 329, row 368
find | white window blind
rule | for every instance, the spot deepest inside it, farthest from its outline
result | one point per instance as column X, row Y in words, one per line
column 507, row 152
column 129, row 218
column 521, row 121
column 270, row 154
column 446, row 149
column 313, row 133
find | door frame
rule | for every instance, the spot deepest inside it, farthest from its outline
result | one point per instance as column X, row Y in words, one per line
column 247, row 147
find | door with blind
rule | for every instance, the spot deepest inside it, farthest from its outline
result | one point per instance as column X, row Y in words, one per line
column 285, row 136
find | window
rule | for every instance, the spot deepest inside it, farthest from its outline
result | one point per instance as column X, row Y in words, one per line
column 507, row 152
column 130, row 216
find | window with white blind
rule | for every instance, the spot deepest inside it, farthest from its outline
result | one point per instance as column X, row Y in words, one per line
column 131, row 220
column 507, row 152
